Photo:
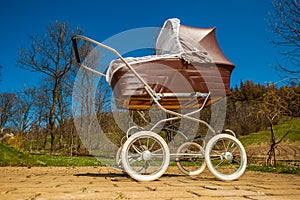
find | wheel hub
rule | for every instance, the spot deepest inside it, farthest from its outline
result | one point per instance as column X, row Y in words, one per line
column 146, row 155
column 228, row 156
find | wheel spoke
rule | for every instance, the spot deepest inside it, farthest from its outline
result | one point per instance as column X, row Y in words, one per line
column 220, row 163
column 233, row 146
column 152, row 145
column 224, row 145
column 236, row 161
column 146, row 166
column 148, row 143
column 140, row 144
column 136, row 149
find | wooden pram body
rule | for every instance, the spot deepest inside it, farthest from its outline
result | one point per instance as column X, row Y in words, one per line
column 172, row 75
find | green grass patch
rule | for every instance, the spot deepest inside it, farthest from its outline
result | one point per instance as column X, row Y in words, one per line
column 263, row 137
column 278, row 169
column 49, row 160
column 10, row 156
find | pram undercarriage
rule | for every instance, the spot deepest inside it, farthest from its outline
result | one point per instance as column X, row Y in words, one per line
column 144, row 154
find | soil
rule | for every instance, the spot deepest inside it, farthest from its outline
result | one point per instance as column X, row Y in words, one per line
column 40, row 183
column 286, row 153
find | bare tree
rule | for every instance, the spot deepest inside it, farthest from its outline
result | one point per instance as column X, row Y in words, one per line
column 50, row 54
column 7, row 108
column 285, row 22
column 272, row 107
column 24, row 116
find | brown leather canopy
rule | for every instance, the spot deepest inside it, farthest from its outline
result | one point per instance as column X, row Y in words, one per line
column 204, row 38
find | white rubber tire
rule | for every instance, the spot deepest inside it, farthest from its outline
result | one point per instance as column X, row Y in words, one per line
column 210, row 160
column 129, row 151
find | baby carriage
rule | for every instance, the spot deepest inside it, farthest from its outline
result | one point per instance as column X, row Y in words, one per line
column 187, row 73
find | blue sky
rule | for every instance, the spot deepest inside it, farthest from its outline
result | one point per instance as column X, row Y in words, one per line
column 242, row 29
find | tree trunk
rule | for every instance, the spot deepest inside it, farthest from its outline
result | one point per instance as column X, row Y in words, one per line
column 52, row 143
column 51, row 116
column 271, row 152
column 71, row 143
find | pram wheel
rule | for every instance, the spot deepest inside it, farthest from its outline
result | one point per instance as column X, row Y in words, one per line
column 225, row 157
column 145, row 156
column 190, row 159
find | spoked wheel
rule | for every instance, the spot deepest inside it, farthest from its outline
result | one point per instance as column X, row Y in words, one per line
column 145, row 156
column 190, row 159
column 225, row 157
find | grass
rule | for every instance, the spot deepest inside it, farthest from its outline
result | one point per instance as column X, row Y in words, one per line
column 13, row 157
column 278, row 169
column 49, row 160
column 263, row 137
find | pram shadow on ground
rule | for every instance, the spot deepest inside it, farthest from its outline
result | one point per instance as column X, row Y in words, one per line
column 119, row 175
column 122, row 176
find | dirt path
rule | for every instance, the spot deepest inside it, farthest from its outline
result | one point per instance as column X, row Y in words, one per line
column 107, row 183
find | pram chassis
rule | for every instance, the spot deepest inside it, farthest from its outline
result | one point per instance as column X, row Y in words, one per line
column 130, row 154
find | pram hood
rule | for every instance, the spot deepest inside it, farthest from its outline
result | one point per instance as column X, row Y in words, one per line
column 193, row 44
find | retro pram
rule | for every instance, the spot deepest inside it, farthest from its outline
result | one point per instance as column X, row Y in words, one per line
column 187, row 73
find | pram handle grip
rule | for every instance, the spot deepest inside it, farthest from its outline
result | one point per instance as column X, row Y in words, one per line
column 75, row 47
column 74, row 43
